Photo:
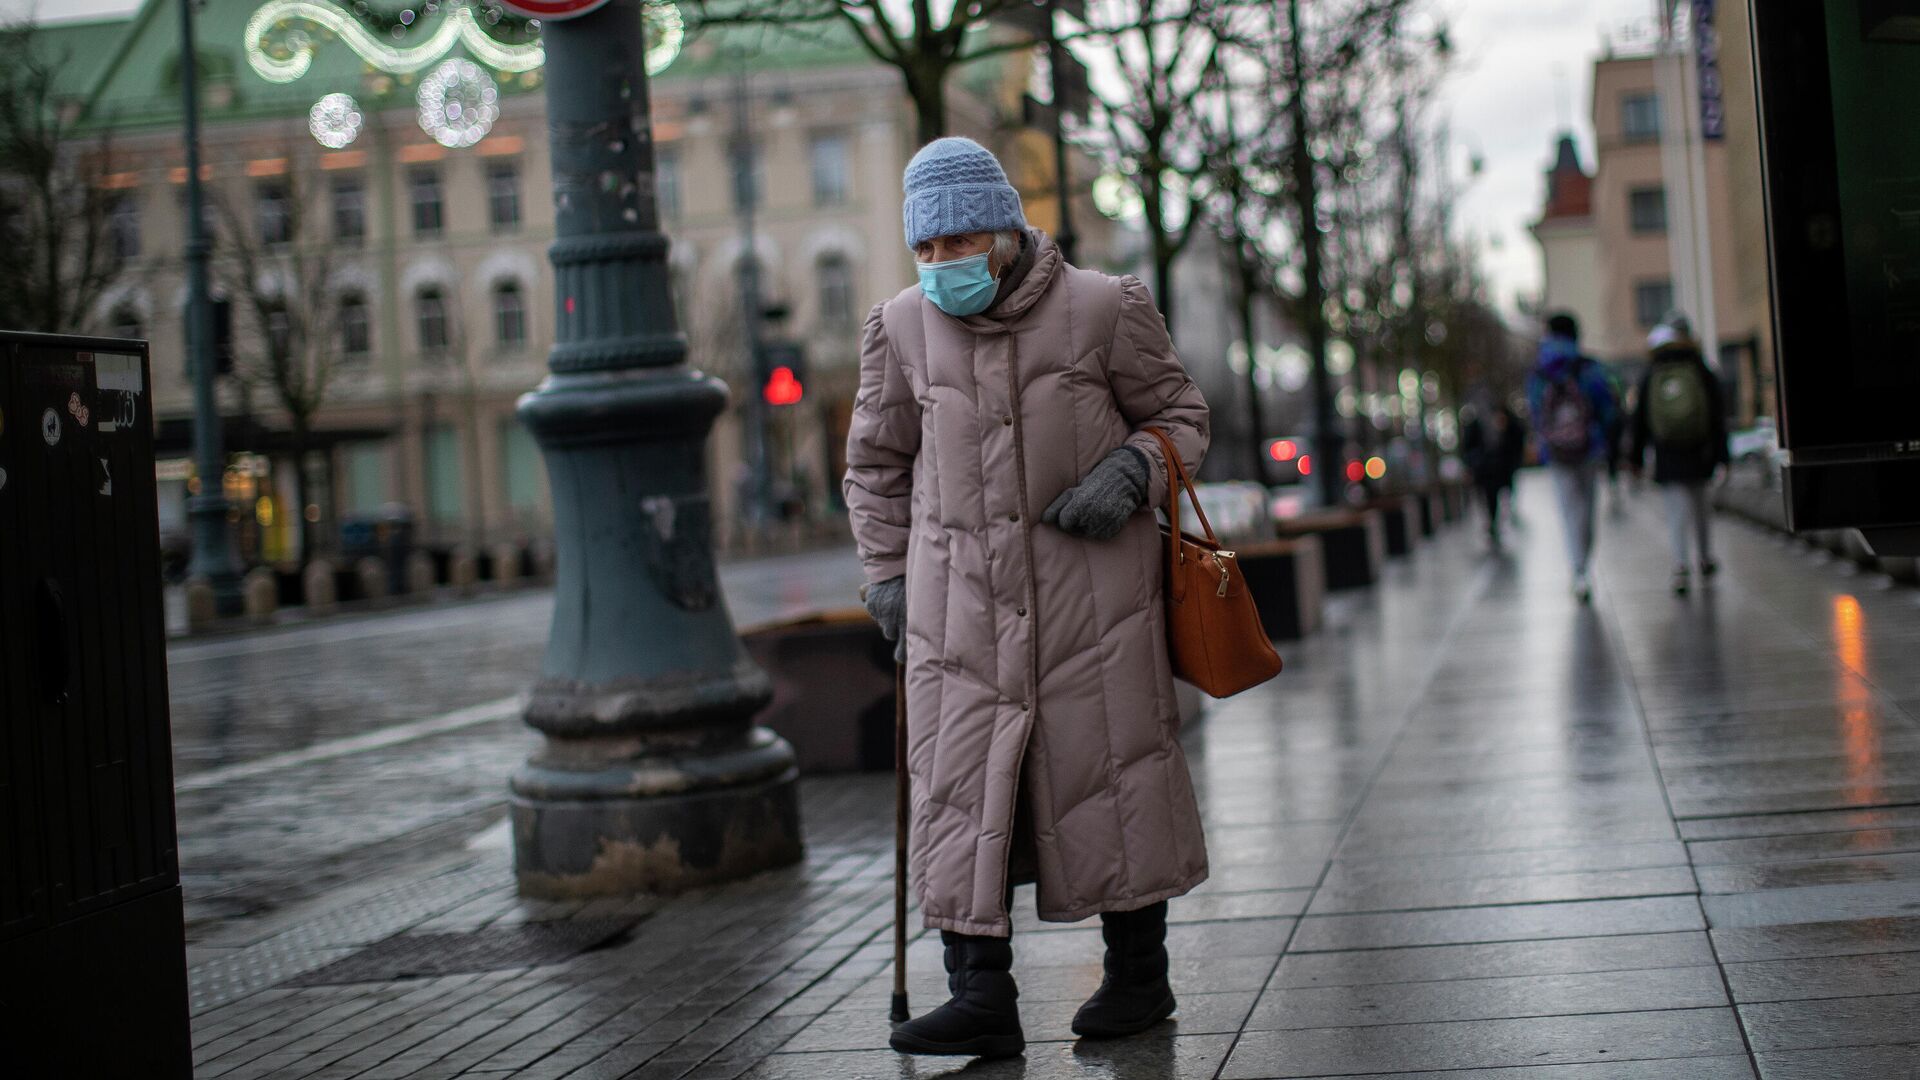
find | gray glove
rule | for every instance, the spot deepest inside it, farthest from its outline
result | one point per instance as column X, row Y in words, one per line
column 1098, row 507
column 887, row 602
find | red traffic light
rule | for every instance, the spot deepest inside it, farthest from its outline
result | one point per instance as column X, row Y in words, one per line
column 1306, row 465
column 1355, row 471
column 1283, row 450
column 782, row 388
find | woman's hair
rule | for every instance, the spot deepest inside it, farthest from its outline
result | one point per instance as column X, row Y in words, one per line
column 1005, row 250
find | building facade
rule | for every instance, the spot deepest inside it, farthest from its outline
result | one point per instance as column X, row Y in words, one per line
column 402, row 171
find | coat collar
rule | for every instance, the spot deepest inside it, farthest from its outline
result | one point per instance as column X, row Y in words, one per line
column 1001, row 317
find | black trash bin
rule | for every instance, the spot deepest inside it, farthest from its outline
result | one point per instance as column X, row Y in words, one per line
column 93, row 978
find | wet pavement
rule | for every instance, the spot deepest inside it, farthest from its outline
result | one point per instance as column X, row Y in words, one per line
column 1475, row 831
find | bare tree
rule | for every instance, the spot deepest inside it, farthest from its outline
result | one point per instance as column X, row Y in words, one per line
column 923, row 44
column 54, row 199
column 282, row 277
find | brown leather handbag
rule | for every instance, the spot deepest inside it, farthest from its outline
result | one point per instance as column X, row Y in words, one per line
column 1214, row 636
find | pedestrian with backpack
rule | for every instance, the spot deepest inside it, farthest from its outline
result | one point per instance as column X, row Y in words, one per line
column 1681, row 417
column 1573, row 408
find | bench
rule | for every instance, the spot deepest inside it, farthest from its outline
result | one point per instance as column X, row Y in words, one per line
column 1287, row 580
column 1353, row 543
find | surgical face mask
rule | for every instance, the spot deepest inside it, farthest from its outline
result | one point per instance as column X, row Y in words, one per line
column 959, row 287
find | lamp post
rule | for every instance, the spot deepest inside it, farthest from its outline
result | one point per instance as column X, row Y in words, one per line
column 212, row 559
column 652, row 776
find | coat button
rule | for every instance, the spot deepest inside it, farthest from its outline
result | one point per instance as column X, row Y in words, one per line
column 1013, row 517
column 1022, row 612
column 1025, row 706
column 1006, row 421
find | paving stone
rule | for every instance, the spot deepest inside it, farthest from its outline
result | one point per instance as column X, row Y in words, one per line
column 1185, row 1057
column 1713, row 1068
column 1848, row 1021
column 1596, row 885
column 1831, row 938
column 1819, row 821
column 1322, row 933
column 1833, row 845
column 1489, row 999
column 1756, row 877
column 1813, row 903
column 1825, row 976
column 1480, row 1044
column 1842, row 1063
column 1351, row 873
column 1493, row 960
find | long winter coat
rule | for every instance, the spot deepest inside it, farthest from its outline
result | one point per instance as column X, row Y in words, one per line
column 1028, row 650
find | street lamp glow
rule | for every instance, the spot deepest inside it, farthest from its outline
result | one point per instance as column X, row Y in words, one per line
column 335, row 121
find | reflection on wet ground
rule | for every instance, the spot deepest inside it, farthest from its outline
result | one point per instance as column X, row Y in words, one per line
column 1476, row 831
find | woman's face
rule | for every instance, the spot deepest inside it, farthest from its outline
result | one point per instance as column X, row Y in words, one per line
column 948, row 248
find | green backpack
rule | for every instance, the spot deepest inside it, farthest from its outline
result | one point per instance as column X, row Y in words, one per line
column 1677, row 404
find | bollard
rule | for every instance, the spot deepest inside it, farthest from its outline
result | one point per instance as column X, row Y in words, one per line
column 463, row 569
column 203, row 606
column 260, row 591
column 419, row 573
column 506, row 564
column 372, row 572
column 317, row 587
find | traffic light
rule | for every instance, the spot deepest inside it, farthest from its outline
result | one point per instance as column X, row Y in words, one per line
column 784, row 367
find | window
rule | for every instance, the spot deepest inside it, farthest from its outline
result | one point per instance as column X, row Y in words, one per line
column 349, row 209
column 749, row 182
column 366, row 477
column 356, row 328
column 503, row 195
column 123, row 226
column 1651, row 302
column 1647, row 210
column 444, row 504
column 836, row 291
column 522, row 466
column 666, row 183
column 430, row 316
column 829, row 157
column 509, row 315
column 126, row 323
column 1640, row 117
column 279, row 332
column 273, row 217
column 424, row 188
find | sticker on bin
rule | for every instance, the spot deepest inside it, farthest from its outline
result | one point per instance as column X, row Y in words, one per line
column 117, row 371
column 50, row 427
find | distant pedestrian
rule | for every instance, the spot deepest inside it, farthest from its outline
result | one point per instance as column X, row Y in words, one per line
column 1573, row 409
column 1681, row 416
column 1001, row 483
column 1494, row 444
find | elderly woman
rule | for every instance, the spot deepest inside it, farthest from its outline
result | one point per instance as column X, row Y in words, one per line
column 1000, row 481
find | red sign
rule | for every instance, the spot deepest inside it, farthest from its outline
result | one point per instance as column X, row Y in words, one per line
column 782, row 388
column 551, row 10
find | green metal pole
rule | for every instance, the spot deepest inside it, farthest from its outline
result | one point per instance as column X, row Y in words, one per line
column 653, row 776
column 212, row 558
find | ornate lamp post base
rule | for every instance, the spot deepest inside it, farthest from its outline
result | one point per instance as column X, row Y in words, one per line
column 591, row 819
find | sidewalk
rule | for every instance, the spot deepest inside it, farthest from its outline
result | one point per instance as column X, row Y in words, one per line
column 1475, row 831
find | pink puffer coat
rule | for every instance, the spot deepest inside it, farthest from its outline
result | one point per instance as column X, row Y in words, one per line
column 1028, row 649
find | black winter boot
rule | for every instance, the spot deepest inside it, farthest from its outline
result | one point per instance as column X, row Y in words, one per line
column 981, row 1019
column 1135, row 994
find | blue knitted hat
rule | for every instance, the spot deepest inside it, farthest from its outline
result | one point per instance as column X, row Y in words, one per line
column 955, row 185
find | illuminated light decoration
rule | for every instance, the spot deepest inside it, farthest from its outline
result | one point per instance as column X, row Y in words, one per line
column 282, row 36
column 1376, row 468
column 1283, row 450
column 782, row 388
column 458, row 104
column 335, row 121
column 1355, row 470
column 1306, row 464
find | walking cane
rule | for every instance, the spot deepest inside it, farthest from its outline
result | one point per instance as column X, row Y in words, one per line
column 899, row 1013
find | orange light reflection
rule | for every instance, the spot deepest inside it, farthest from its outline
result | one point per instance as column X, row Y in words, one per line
column 1859, row 721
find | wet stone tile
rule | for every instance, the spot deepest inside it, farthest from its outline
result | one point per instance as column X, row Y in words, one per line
column 1753, row 877
column 1186, row 1057
column 1814, row 903
column 1832, row 938
column 1731, row 1067
column 1851, row 1021
column 1825, row 976
column 1354, row 872
column 1484, row 1044
column 1832, row 845
column 1599, row 885
column 1842, row 1063
column 1489, row 999
column 1320, row 933
column 1494, row 960
column 1825, row 821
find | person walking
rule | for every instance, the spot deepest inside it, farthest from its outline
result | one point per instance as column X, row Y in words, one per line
column 1573, row 408
column 1682, row 418
column 1000, row 480
column 1493, row 446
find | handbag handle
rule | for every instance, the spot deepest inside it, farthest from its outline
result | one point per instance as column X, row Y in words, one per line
column 1176, row 480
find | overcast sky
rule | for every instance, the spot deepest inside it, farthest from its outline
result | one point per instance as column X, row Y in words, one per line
column 1524, row 71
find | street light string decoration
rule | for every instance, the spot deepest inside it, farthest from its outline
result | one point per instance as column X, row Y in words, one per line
column 458, row 104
